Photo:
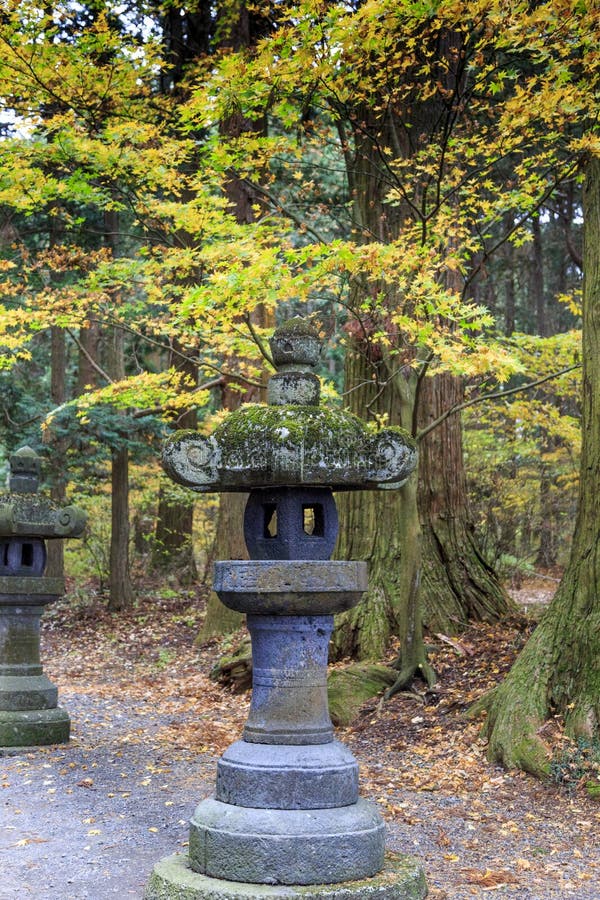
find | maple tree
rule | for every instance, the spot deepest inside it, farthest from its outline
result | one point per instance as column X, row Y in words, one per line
column 448, row 126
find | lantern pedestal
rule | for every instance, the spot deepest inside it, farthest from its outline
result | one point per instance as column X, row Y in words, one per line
column 29, row 714
column 287, row 820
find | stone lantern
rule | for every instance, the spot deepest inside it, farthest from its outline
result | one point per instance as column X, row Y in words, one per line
column 287, row 820
column 29, row 714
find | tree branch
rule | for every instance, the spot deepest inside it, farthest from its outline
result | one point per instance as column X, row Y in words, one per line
column 258, row 340
column 496, row 395
column 89, row 358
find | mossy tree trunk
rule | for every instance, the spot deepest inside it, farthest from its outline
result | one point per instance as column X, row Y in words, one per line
column 558, row 671
column 457, row 585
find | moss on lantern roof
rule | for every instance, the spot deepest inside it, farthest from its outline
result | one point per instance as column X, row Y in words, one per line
column 292, row 441
column 264, row 446
column 296, row 326
column 257, row 427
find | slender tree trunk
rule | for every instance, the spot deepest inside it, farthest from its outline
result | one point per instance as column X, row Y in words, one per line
column 382, row 527
column 509, row 287
column 186, row 36
column 229, row 544
column 538, row 295
column 173, row 547
column 119, row 580
column 229, row 540
column 89, row 352
column 558, row 671
column 548, row 547
column 55, row 565
column 238, row 33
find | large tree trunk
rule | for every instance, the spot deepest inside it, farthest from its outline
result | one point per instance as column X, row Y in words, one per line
column 558, row 671
column 457, row 585
column 385, row 528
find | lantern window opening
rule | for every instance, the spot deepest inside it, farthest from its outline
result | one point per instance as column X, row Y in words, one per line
column 27, row 555
column 313, row 519
column 270, row 520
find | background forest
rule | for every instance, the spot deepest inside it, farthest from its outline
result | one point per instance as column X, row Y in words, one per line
column 176, row 179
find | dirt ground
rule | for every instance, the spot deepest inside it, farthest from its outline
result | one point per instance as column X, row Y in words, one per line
column 89, row 820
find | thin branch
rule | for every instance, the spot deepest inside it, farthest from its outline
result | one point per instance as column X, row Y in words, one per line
column 420, row 376
column 258, row 340
column 497, row 395
column 89, row 358
column 278, row 206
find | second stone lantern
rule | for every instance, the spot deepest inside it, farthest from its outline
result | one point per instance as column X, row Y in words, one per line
column 287, row 820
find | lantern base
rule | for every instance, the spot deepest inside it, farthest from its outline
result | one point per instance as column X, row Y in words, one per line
column 402, row 878
column 23, row 729
column 287, row 846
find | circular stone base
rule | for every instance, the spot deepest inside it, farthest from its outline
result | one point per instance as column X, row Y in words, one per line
column 172, row 879
column 287, row 846
column 33, row 728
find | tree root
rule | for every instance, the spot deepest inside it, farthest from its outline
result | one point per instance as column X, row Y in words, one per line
column 407, row 675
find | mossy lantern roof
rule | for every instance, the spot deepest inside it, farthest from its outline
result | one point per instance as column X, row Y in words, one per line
column 292, row 440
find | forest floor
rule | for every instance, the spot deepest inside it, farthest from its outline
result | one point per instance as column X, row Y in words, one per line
column 90, row 819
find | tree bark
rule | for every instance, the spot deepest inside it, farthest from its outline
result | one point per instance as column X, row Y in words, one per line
column 238, row 33
column 119, row 581
column 558, row 671
column 172, row 547
column 55, row 565
column 457, row 584
column 229, row 544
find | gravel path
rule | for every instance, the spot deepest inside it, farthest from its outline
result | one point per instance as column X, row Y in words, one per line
column 89, row 820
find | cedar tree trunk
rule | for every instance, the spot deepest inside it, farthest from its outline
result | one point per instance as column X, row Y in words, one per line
column 457, row 585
